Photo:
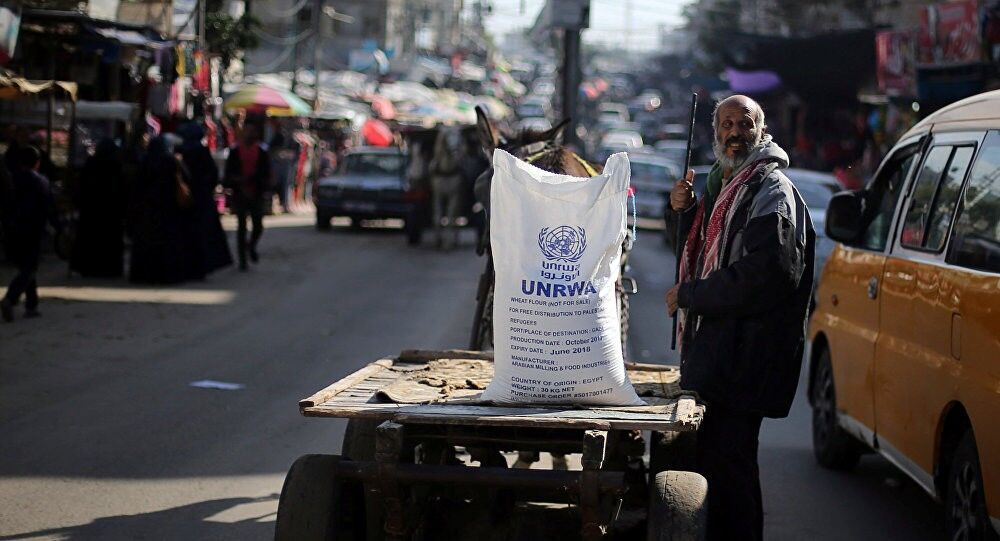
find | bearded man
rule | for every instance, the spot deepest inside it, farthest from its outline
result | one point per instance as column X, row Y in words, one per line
column 745, row 283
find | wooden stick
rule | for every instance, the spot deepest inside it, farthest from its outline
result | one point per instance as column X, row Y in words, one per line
column 679, row 248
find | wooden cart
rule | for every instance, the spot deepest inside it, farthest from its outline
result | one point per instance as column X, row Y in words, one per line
column 423, row 459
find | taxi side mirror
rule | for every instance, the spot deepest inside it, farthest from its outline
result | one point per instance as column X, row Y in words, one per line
column 844, row 217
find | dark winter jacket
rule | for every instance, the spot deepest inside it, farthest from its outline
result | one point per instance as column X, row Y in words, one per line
column 746, row 321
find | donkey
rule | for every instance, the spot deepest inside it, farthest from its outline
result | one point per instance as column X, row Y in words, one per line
column 543, row 149
column 447, row 184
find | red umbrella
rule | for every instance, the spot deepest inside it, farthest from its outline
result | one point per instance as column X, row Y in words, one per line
column 376, row 133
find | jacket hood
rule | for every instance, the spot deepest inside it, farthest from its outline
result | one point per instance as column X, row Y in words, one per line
column 767, row 149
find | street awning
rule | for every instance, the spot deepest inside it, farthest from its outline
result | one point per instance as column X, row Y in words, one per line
column 126, row 37
column 752, row 82
column 12, row 88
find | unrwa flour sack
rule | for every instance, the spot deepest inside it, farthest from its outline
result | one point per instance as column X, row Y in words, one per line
column 557, row 246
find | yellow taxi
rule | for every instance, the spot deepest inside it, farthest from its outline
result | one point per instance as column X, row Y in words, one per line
column 904, row 355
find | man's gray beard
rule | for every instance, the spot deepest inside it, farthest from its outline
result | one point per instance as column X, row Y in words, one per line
column 732, row 163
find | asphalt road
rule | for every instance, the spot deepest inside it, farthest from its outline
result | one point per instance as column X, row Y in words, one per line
column 102, row 436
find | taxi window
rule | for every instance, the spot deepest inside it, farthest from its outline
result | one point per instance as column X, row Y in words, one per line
column 947, row 198
column 883, row 194
column 975, row 240
column 915, row 222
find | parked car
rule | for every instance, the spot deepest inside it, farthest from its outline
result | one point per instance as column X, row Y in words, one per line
column 370, row 183
column 904, row 355
column 533, row 123
column 618, row 141
column 652, row 178
column 534, row 106
column 616, row 112
column 544, row 86
column 628, row 138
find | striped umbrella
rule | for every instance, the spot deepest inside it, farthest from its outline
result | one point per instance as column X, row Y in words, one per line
column 268, row 100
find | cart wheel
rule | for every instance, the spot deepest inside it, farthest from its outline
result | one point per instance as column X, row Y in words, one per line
column 316, row 506
column 672, row 451
column 677, row 507
column 359, row 440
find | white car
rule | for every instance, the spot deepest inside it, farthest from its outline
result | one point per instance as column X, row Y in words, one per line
column 533, row 123
column 626, row 138
column 543, row 87
column 612, row 112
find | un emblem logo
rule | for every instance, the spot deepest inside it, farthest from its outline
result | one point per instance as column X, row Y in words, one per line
column 563, row 243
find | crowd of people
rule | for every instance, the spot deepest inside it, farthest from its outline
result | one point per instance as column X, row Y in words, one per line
column 164, row 208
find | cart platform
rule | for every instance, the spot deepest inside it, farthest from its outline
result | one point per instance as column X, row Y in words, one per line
column 442, row 388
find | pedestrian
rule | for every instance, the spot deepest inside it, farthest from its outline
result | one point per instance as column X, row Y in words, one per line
column 207, row 247
column 281, row 162
column 745, row 283
column 32, row 209
column 157, row 207
column 100, row 236
column 248, row 174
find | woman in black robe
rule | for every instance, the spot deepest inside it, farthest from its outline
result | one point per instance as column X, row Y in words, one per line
column 101, row 200
column 157, row 229
column 205, row 241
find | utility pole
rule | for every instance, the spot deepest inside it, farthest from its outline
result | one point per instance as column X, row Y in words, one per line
column 317, row 49
column 202, row 15
column 294, row 34
column 570, row 83
column 572, row 16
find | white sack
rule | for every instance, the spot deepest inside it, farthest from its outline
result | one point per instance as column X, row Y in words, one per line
column 556, row 243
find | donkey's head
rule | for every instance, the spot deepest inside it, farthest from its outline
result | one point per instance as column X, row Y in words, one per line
column 542, row 148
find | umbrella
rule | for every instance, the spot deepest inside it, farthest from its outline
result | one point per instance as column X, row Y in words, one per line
column 267, row 100
column 376, row 133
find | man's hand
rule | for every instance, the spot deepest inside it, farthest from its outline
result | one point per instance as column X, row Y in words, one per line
column 682, row 195
column 672, row 300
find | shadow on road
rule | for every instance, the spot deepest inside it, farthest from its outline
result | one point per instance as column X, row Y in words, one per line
column 184, row 522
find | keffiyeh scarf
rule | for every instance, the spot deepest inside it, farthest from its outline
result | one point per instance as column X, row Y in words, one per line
column 702, row 253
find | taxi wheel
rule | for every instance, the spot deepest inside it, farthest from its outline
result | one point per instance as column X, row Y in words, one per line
column 833, row 448
column 965, row 505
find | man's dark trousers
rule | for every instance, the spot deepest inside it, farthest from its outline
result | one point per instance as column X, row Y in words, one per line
column 252, row 207
column 26, row 255
column 727, row 457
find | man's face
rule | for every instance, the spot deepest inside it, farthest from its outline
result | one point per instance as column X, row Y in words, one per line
column 736, row 134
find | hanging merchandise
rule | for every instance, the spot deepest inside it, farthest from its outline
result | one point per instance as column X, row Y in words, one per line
column 181, row 63
column 200, row 80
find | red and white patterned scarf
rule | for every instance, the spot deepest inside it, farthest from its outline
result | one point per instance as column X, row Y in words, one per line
column 707, row 242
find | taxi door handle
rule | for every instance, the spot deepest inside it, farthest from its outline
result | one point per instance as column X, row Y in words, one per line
column 873, row 288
